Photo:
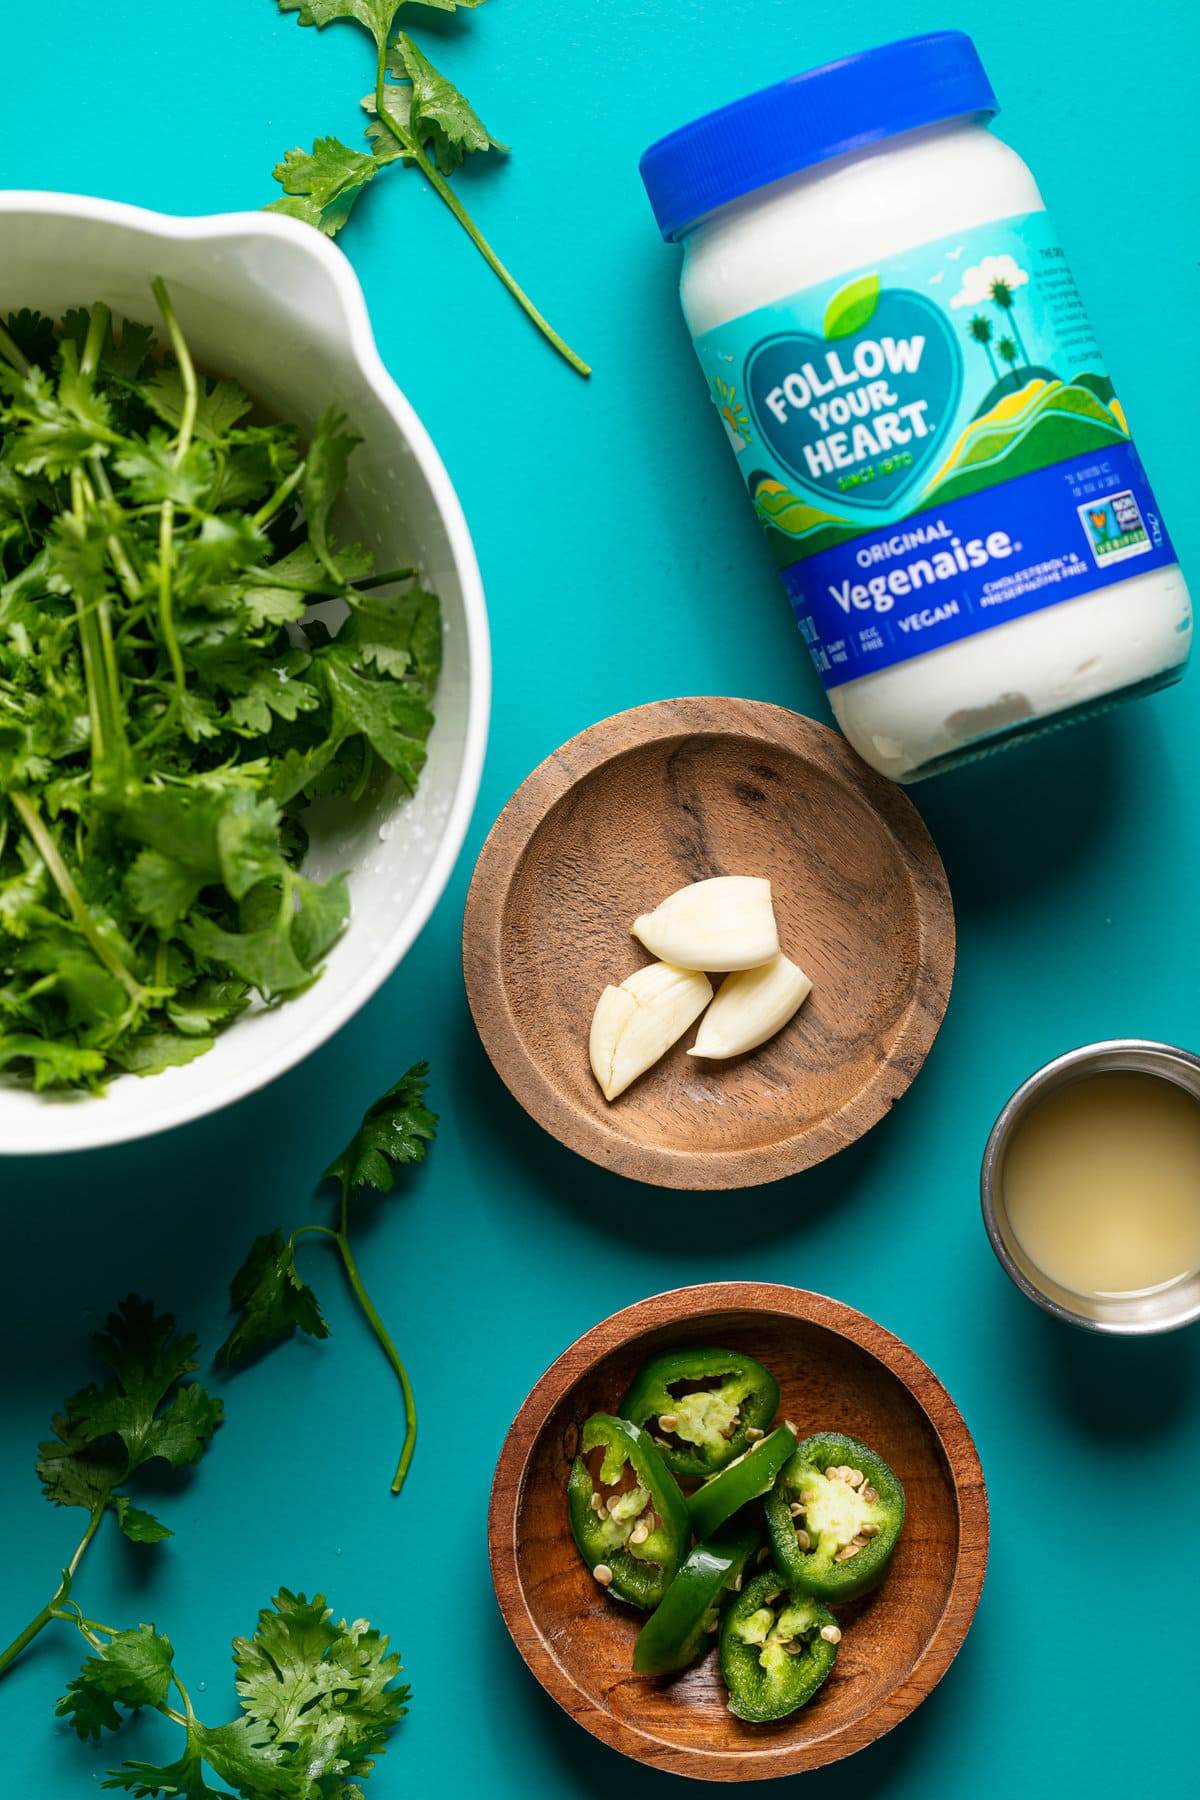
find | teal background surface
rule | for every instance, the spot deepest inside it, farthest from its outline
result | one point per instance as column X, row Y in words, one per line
column 622, row 565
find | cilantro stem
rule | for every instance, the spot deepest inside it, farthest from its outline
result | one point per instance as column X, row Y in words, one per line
column 94, row 342
column 26, row 1637
column 270, row 507
column 187, row 368
column 270, row 578
column 47, row 849
column 166, row 533
column 342, row 1239
column 116, row 549
column 166, row 603
column 50, row 1611
column 11, row 353
column 445, row 192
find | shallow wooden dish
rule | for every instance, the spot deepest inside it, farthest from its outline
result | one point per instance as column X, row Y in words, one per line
column 635, row 808
column 836, row 1369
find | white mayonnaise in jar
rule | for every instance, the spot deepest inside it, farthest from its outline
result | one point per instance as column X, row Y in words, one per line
column 897, row 350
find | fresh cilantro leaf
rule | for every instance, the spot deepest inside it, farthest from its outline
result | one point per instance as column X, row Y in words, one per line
column 90, row 1710
column 393, row 716
column 34, row 335
column 324, row 477
column 128, row 356
column 139, row 1526
column 150, row 1052
column 326, row 180
column 184, row 1778
column 52, row 1064
column 264, row 960
column 220, row 404
column 18, row 897
column 400, row 634
column 247, row 833
column 375, row 15
column 207, row 1006
column 254, row 1768
column 272, row 1300
column 302, row 569
column 323, row 1693
column 275, row 692
column 155, row 473
column 180, row 1434
column 161, row 889
column 223, row 547
column 74, row 1470
column 431, row 110
column 143, row 1412
column 281, row 590
column 299, row 206
column 134, row 1669
column 86, row 991
column 395, row 1131
column 197, row 838
column 321, row 914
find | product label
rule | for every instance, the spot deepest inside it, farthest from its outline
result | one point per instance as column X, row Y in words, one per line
column 933, row 447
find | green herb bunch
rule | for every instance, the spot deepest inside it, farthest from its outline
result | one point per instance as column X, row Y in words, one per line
column 419, row 120
column 318, row 1699
column 165, row 717
column 318, row 1703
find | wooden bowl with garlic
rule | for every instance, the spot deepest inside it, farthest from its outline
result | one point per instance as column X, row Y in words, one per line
column 705, row 945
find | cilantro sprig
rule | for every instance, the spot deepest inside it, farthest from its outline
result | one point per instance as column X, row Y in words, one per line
column 318, row 1703
column 418, row 119
column 170, row 703
column 145, row 1411
column 267, row 1292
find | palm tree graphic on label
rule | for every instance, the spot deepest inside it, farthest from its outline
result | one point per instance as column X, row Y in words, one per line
column 995, row 280
column 1003, row 297
column 980, row 330
column 1008, row 351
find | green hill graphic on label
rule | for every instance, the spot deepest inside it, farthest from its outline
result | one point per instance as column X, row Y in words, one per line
column 1045, row 422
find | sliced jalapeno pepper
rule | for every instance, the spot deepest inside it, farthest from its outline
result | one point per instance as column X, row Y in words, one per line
column 699, row 1405
column 743, row 1480
column 691, row 1609
column 633, row 1538
column 834, row 1517
column 776, row 1649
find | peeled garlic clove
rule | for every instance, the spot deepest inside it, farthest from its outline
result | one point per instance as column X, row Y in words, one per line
column 725, row 923
column 750, row 1007
column 637, row 1023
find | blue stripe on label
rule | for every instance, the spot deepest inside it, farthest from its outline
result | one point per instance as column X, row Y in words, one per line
column 959, row 569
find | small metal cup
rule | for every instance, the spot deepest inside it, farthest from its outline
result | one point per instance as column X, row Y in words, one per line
column 1119, row 1316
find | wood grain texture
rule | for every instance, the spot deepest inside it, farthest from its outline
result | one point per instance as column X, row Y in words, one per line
column 837, row 1369
column 640, row 805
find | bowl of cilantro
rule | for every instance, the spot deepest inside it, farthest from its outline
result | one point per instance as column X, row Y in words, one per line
column 244, row 664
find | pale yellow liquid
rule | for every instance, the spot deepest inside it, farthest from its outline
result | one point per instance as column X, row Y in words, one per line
column 1102, row 1184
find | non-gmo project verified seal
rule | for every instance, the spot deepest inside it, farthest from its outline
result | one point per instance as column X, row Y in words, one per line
column 1114, row 528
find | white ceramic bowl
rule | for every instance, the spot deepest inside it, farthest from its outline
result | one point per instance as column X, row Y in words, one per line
column 271, row 302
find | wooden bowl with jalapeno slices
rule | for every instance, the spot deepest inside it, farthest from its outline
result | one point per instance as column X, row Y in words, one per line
column 838, row 1372
column 644, row 804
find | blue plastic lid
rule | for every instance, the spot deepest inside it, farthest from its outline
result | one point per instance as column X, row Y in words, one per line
column 822, row 113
